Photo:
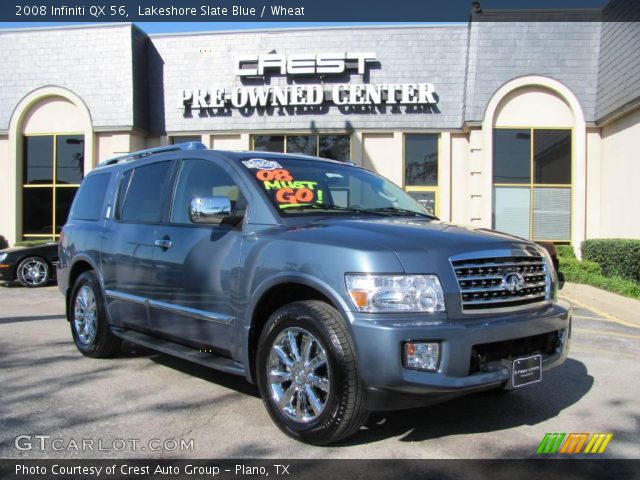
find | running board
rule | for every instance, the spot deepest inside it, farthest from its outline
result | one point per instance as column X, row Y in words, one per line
column 187, row 353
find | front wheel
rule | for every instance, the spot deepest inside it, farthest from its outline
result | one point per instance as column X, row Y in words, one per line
column 87, row 314
column 307, row 373
column 33, row 272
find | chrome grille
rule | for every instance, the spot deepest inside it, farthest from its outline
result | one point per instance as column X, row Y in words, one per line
column 484, row 281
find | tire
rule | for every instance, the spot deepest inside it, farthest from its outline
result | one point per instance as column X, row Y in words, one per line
column 33, row 272
column 321, row 403
column 88, row 318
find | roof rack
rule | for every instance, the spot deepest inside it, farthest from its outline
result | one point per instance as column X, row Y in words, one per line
column 152, row 151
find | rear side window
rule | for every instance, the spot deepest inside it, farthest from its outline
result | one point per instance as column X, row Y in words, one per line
column 143, row 199
column 90, row 198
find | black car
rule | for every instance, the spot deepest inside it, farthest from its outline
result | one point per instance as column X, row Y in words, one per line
column 31, row 266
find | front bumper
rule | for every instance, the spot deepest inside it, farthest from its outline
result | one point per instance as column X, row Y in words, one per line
column 8, row 274
column 390, row 386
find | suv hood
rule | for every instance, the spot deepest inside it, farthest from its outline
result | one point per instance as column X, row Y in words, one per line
column 416, row 241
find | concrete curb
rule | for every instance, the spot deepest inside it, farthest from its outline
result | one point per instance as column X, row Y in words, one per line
column 606, row 304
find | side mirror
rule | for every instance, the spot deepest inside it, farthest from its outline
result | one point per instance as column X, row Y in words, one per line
column 211, row 210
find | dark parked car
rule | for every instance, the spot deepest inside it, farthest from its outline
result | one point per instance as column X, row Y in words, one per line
column 31, row 266
column 324, row 283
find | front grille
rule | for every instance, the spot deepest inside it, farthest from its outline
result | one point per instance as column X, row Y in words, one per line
column 484, row 282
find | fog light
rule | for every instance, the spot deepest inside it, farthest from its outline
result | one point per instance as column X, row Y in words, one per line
column 421, row 355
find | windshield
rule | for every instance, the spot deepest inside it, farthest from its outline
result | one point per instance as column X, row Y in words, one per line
column 300, row 187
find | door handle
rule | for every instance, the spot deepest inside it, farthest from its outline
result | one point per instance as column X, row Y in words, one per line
column 165, row 243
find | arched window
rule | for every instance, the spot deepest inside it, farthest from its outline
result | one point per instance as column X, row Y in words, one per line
column 532, row 165
column 53, row 159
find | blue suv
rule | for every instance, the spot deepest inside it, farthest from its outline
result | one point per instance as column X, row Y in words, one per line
column 322, row 282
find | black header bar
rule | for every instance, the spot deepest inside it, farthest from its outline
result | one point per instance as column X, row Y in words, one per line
column 316, row 11
column 279, row 469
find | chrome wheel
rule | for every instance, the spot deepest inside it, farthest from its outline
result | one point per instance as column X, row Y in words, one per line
column 85, row 315
column 298, row 374
column 33, row 272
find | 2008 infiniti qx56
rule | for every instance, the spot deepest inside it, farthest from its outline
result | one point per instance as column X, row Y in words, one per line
column 324, row 283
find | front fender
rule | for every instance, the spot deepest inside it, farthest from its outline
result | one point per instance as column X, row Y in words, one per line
column 283, row 278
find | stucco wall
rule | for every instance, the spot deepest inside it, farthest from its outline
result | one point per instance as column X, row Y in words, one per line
column 6, row 185
column 620, row 178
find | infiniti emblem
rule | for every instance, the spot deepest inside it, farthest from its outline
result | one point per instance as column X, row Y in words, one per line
column 513, row 282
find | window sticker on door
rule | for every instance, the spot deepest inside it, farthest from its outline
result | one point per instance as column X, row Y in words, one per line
column 261, row 163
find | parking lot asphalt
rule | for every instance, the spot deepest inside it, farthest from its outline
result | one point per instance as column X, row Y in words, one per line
column 144, row 404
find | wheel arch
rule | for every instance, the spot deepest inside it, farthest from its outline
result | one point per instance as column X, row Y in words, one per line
column 275, row 293
column 80, row 265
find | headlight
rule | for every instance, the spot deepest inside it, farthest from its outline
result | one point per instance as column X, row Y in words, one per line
column 3, row 256
column 395, row 293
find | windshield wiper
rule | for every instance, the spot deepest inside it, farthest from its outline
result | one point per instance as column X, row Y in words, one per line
column 404, row 211
column 326, row 206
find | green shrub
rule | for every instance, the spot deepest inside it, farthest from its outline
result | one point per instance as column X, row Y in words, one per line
column 565, row 251
column 590, row 273
column 617, row 257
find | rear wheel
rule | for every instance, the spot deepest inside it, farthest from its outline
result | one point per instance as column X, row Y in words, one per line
column 307, row 373
column 33, row 272
column 89, row 326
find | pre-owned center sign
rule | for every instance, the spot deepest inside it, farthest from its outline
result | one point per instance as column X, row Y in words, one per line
column 322, row 64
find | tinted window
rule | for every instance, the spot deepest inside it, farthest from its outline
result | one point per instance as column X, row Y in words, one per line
column 88, row 202
column 268, row 143
column 304, row 144
column 69, row 158
column 203, row 178
column 122, row 191
column 185, row 139
column 552, row 156
column 511, row 156
column 64, row 200
column 38, row 160
column 421, row 160
column 143, row 200
column 335, row 147
column 37, row 206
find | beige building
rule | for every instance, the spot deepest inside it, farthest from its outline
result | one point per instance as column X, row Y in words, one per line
column 533, row 129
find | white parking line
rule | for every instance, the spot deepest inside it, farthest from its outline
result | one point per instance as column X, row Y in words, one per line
column 606, row 317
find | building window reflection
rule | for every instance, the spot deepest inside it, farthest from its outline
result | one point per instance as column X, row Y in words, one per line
column 421, row 169
column 53, row 168
column 333, row 147
column 532, row 183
